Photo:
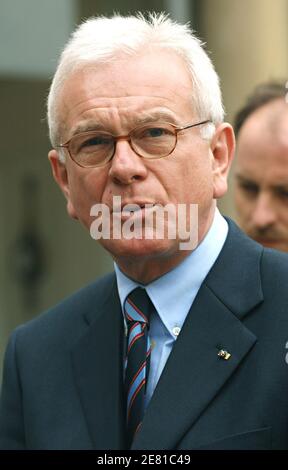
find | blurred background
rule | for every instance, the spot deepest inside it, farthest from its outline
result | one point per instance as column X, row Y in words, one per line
column 45, row 256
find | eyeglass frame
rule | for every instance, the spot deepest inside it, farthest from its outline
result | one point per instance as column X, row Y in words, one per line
column 127, row 137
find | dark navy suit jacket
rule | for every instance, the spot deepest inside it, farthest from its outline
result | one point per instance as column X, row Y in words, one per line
column 63, row 375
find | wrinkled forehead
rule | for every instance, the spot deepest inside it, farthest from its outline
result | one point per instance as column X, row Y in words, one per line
column 151, row 79
column 120, row 76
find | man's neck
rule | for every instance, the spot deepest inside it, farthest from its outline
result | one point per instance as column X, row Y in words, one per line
column 145, row 269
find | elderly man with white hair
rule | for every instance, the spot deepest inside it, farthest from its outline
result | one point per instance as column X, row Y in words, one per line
column 183, row 346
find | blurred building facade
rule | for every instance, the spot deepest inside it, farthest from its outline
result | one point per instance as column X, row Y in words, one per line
column 44, row 256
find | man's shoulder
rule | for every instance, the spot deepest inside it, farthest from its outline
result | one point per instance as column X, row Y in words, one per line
column 271, row 261
column 71, row 314
column 274, row 266
column 245, row 274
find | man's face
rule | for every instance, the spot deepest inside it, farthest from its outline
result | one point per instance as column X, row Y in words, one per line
column 261, row 189
column 115, row 98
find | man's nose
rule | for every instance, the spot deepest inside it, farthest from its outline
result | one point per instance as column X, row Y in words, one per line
column 264, row 214
column 126, row 165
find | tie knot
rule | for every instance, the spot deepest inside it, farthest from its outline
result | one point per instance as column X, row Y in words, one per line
column 138, row 306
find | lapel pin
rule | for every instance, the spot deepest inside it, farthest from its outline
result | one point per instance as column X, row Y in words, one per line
column 224, row 354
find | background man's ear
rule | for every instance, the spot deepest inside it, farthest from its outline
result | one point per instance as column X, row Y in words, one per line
column 60, row 175
column 222, row 147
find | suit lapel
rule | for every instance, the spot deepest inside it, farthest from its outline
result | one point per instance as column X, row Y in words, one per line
column 194, row 372
column 98, row 366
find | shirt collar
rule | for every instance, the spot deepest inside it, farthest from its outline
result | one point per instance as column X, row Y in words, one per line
column 182, row 282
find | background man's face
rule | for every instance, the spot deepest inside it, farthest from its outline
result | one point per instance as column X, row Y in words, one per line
column 261, row 187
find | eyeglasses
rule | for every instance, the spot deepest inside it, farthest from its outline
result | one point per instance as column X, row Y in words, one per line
column 151, row 141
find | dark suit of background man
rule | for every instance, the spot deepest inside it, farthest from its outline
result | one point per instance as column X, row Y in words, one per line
column 218, row 372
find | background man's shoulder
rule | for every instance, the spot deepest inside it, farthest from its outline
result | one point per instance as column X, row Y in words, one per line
column 274, row 261
column 274, row 271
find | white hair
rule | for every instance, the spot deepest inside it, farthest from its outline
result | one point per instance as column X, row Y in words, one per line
column 102, row 39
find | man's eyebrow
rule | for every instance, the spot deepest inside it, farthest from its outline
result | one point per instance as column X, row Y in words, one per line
column 86, row 127
column 281, row 187
column 244, row 179
column 241, row 177
column 156, row 116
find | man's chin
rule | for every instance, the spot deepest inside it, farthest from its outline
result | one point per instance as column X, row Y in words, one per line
column 138, row 248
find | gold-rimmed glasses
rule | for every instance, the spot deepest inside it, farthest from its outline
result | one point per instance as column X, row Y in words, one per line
column 151, row 141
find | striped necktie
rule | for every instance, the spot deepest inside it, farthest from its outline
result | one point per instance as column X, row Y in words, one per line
column 138, row 308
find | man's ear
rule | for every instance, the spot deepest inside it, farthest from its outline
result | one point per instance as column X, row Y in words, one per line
column 60, row 175
column 222, row 147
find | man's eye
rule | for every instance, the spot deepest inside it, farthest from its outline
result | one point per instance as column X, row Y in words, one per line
column 95, row 141
column 156, row 132
column 282, row 193
column 249, row 188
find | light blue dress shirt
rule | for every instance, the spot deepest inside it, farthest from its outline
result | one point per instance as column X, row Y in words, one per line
column 183, row 282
